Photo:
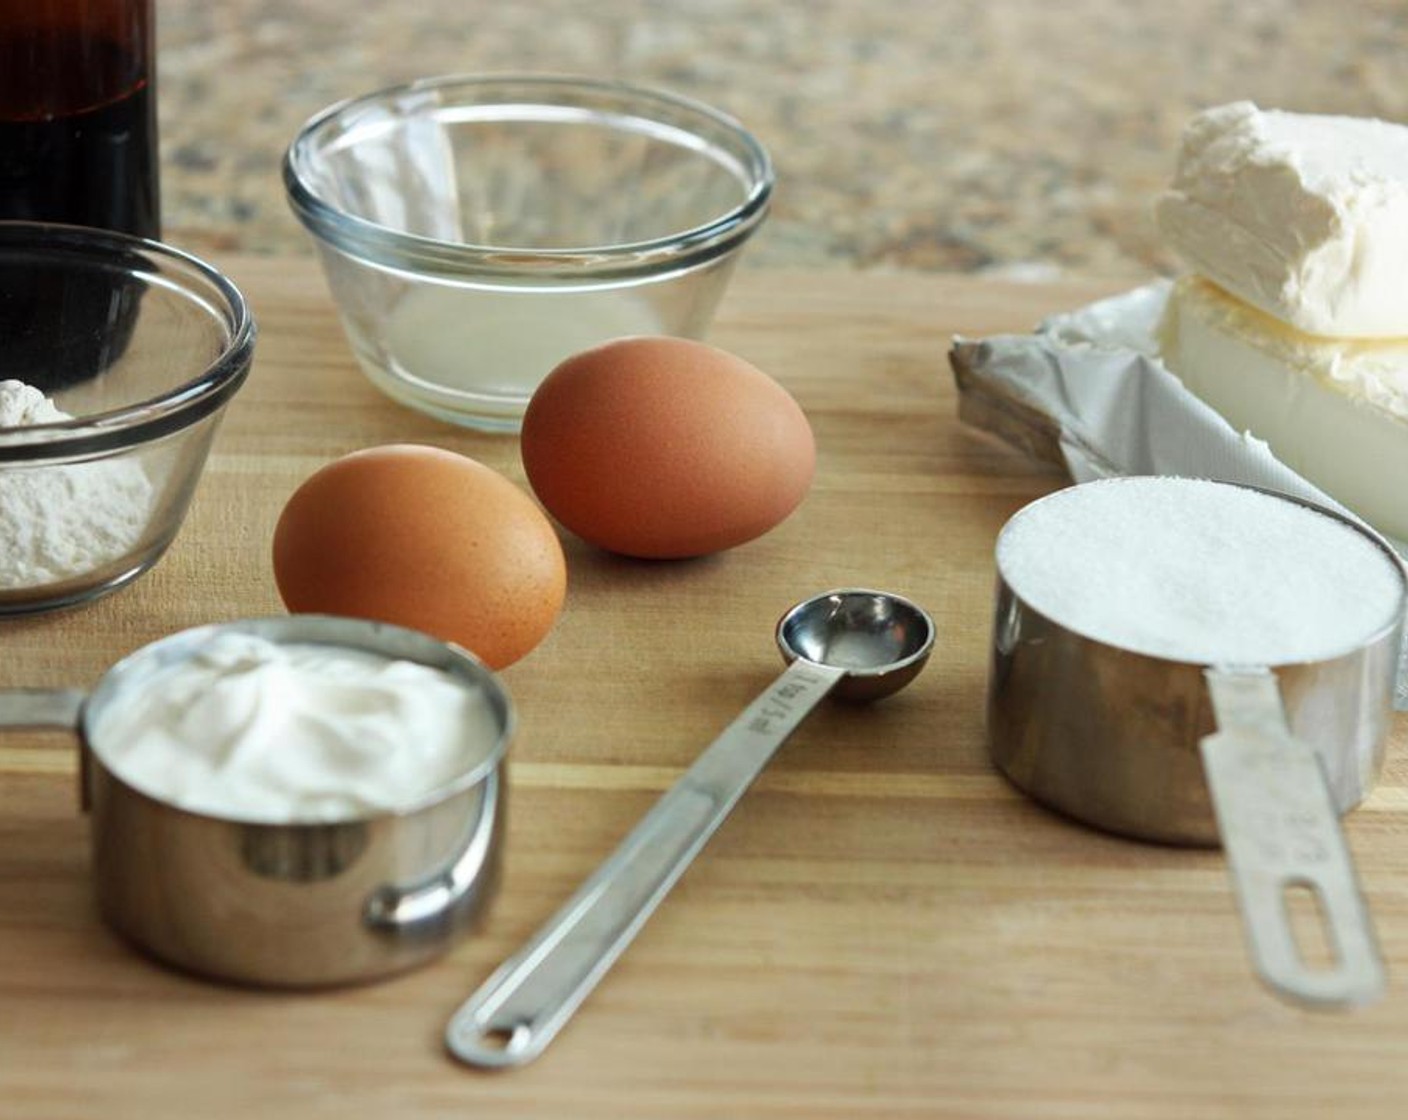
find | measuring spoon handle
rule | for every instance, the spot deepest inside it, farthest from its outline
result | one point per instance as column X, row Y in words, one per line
column 1280, row 831
column 513, row 1016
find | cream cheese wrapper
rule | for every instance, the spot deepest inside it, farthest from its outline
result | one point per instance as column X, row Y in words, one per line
column 1087, row 393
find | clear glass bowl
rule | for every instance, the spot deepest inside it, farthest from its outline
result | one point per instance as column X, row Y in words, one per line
column 142, row 345
column 476, row 231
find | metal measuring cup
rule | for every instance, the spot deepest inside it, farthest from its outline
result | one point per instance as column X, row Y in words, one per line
column 286, row 905
column 1262, row 759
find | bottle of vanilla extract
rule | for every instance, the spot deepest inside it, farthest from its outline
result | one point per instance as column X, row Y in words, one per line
column 78, row 146
column 78, row 133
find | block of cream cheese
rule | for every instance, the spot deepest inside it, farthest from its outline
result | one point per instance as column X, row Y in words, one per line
column 1336, row 410
column 1304, row 216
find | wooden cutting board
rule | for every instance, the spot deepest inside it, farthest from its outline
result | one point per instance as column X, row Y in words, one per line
column 884, row 928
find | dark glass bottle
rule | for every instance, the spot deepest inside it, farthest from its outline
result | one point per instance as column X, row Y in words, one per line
column 78, row 145
column 78, row 134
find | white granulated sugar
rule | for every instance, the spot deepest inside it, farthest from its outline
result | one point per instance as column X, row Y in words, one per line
column 1199, row 571
column 60, row 521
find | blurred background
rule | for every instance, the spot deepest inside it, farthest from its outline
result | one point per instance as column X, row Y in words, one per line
column 1015, row 138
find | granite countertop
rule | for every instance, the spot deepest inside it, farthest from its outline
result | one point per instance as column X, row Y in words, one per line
column 1019, row 138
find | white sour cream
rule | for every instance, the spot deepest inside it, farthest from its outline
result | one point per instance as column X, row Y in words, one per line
column 261, row 731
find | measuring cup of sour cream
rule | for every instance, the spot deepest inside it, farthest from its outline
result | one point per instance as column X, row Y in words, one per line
column 297, row 802
column 1198, row 662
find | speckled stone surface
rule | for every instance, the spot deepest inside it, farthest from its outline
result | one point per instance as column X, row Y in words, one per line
column 1018, row 137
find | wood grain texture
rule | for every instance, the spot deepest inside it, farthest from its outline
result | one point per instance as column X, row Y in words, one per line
column 883, row 929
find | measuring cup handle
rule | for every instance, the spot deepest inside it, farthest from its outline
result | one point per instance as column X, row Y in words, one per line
column 458, row 889
column 40, row 707
column 1280, row 831
column 23, row 708
column 513, row 1016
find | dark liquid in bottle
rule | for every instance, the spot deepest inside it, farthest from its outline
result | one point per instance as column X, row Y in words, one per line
column 77, row 132
column 77, row 146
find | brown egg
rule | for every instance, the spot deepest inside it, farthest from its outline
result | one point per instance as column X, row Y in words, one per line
column 666, row 447
column 425, row 538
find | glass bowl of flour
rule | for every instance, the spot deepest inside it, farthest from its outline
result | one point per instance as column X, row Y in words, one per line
column 117, row 358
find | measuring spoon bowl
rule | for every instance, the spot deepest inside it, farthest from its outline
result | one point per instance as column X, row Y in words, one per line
column 881, row 640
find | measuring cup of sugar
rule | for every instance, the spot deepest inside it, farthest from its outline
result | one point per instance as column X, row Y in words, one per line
column 290, row 802
column 1195, row 662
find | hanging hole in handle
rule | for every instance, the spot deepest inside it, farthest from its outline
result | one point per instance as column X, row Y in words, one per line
column 490, row 1046
column 1309, row 922
column 503, row 1038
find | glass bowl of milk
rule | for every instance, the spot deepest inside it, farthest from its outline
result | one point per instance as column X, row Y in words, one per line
column 475, row 231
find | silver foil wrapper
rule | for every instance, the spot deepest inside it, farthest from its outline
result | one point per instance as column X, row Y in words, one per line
column 1087, row 392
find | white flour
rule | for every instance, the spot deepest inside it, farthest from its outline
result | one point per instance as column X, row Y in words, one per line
column 62, row 521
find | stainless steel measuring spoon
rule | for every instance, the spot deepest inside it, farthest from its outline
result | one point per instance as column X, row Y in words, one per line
column 856, row 644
